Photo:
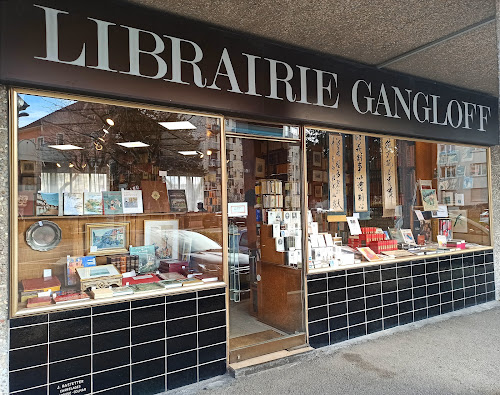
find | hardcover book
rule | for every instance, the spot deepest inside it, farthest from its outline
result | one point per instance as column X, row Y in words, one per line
column 368, row 253
column 47, row 203
column 177, row 199
column 154, row 195
column 147, row 258
column 73, row 203
column 112, row 202
column 72, row 263
column 132, row 202
column 92, row 203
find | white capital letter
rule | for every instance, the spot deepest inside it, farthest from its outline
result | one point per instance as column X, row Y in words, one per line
column 177, row 61
column 52, row 39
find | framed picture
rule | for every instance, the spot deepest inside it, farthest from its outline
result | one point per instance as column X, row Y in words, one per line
column 316, row 156
column 260, row 167
column 26, row 167
column 107, row 238
column 318, row 191
column 317, row 175
column 163, row 235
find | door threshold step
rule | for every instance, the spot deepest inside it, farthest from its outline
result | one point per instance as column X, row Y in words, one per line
column 264, row 362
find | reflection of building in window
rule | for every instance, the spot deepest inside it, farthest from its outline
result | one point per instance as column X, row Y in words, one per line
column 59, row 138
column 40, row 142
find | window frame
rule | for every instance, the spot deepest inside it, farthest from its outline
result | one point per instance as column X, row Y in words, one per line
column 14, row 312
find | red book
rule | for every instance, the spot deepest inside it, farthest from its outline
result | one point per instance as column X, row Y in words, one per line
column 42, row 284
column 146, row 278
column 37, row 302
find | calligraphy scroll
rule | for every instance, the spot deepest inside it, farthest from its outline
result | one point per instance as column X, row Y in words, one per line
column 336, row 172
column 389, row 174
column 361, row 184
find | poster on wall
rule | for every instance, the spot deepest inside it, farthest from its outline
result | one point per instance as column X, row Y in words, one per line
column 336, row 172
column 361, row 184
column 389, row 174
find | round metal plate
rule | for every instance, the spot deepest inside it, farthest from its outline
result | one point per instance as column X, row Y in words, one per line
column 43, row 235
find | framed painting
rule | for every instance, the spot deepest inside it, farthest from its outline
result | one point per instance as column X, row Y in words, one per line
column 107, row 238
column 163, row 234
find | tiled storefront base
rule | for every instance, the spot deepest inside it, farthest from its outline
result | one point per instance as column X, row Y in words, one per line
column 350, row 303
column 141, row 347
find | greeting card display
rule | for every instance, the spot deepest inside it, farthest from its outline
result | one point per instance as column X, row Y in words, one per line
column 112, row 202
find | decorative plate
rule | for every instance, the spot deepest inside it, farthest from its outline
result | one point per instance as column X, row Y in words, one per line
column 43, row 235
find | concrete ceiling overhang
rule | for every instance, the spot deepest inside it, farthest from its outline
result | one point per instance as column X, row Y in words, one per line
column 450, row 41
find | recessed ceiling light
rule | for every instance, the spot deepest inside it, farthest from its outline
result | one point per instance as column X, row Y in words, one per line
column 177, row 125
column 110, row 122
column 65, row 147
column 133, row 144
column 188, row 153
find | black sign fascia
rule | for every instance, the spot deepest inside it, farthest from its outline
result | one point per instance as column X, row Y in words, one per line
column 119, row 50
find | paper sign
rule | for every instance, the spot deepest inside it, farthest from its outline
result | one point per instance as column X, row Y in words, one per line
column 419, row 215
column 355, row 215
column 441, row 212
column 237, row 209
column 354, row 227
column 47, row 273
column 162, row 173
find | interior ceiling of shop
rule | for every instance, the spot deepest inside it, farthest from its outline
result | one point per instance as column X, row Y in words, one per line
column 450, row 41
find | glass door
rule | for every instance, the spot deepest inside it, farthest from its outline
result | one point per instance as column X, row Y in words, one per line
column 266, row 310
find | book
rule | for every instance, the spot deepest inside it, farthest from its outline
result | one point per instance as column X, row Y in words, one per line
column 177, row 200
column 144, row 279
column 73, row 203
column 73, row 262
column 207, row 278
column 429, row 199
column 47, row 203
column 41, row 284
column 112, row 202
column 132, row 202
column 120, row 291
column 39, row 301
column 170, row 276
column 101, row 293
column 407, row 236
column 190, row 281
column 147, row 258
column 170, row 283
column 146, row 287
column 397, row 253
column 70, row 297
column 368, row 253
column 92, row 203
column 154, row 195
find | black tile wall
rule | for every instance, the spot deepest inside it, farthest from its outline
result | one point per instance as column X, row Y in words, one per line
column 139, row 347
column 350, row 303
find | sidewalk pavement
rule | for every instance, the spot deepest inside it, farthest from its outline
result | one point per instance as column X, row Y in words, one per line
column 457, row 353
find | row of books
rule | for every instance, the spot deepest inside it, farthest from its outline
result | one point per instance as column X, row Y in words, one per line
column 154, row 199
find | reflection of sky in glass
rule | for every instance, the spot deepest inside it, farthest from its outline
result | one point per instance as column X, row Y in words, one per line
column 40, row 106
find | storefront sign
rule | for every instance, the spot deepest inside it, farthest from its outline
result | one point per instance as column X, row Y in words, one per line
column 125, row 51
column 336, row 172
column 361, row 185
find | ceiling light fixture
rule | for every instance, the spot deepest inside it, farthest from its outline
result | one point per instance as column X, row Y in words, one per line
column 110, row 122
column 209, row 152
column 65, row 147
column 201, row 155
column 188, row 153
column 133, row 144
column 58, row 164
column 105, row 131
column 71, row 165
column 182, row 125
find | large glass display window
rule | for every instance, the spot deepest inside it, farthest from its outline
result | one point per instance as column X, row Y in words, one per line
column 373, row 199
column 114, row 201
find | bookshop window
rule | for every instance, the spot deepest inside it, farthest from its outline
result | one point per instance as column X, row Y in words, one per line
column 380, row 198
column 116, row 200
